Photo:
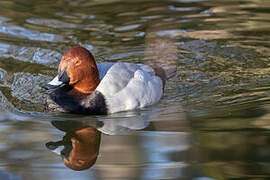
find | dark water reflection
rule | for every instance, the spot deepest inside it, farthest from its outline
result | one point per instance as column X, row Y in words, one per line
column 212, row 122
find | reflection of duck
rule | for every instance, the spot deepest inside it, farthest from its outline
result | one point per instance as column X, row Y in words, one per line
column 103, row 88
column 79, row 147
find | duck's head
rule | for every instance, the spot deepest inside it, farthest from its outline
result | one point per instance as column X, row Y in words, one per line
column 77, row 69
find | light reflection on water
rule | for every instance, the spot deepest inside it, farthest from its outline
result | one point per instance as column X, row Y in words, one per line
column 212, row 122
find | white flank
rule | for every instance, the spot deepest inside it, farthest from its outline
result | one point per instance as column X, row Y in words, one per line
column 129, row 86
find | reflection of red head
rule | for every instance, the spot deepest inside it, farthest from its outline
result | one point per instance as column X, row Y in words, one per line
column 85, row 149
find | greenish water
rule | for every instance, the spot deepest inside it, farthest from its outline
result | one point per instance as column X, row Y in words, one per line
column 212, row 123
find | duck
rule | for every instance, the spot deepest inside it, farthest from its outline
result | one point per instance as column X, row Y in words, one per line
column 83, row 86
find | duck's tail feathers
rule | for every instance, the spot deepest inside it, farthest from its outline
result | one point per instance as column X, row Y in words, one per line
column 165, row 73
column 170, row 71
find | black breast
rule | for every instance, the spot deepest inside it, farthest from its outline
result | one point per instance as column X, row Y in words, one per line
column 66, row 99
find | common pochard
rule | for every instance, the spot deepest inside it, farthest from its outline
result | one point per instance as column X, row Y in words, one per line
column 84, row 87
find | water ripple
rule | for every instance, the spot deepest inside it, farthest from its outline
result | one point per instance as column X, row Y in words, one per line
column 23, row 33
column 51, row 23
column 30, row 54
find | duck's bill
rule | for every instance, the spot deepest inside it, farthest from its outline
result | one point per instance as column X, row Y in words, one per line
column 59, row 149
column 59, row 80
column 55, row 83
column 55, row 147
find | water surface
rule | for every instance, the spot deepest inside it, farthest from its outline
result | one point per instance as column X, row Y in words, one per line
column 212, row 122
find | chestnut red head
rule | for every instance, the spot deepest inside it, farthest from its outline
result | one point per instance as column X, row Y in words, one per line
column 77, row 69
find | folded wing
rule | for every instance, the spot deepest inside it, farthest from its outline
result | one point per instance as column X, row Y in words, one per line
column 128, row 86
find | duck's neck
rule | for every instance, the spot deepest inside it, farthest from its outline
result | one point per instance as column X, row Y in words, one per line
column 88, row 84
column 86, row 87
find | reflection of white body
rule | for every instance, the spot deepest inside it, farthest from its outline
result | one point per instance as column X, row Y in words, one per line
column 124, row 123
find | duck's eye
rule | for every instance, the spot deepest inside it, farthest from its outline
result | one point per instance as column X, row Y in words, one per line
column 77, row 62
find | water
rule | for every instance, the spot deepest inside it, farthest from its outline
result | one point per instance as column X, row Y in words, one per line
column 212, row 122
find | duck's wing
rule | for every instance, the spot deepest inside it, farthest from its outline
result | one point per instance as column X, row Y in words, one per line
column 128, row 86
column 117, row 78
column 103, row 68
